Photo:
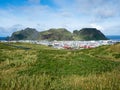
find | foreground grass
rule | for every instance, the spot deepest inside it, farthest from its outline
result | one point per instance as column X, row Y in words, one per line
column 44, row 68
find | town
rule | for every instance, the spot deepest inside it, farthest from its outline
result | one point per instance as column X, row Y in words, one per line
column 69, row 44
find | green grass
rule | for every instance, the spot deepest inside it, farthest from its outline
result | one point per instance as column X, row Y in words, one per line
column 60, row 63
column 45, row 68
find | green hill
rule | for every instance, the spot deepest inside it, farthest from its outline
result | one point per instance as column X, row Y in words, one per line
column 26, row 34
column 51, row 34
column 88, row 34
column 44, row 68
column 58, row 34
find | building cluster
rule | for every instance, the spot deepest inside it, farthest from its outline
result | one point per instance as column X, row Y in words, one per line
column 69, row 44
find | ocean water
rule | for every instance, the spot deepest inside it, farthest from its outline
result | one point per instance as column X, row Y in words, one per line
column 113, row 37
column 3, row 38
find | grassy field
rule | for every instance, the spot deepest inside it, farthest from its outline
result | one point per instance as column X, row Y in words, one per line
column 44, row 68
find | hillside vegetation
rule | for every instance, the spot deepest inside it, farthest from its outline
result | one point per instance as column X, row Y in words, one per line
column 44, row 68
column 26, row 34
column 58, row 34
column 89, row 34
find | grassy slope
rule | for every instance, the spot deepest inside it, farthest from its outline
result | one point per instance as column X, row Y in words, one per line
column 56, row 34
column 44, row 68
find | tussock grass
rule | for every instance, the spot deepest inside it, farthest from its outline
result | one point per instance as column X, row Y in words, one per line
column 44, row 68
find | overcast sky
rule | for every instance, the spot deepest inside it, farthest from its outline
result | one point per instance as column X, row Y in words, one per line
column 71, row 14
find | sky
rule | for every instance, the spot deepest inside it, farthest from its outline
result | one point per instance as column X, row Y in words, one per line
column 70, row 14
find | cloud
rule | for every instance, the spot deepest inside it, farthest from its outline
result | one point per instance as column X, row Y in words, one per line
column 7, row 31
column 97, row 8
column 112, row 30
column 70, row 14
column 94, row 25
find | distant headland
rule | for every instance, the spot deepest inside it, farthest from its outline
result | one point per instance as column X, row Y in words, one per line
column 58, row 34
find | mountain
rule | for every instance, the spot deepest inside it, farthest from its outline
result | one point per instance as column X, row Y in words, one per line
column 58, row 34
column 88, row 34
column 51, row 34
column 26, row 34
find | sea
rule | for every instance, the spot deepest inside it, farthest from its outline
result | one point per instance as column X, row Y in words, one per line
column 3, row 38
column 113, row 37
